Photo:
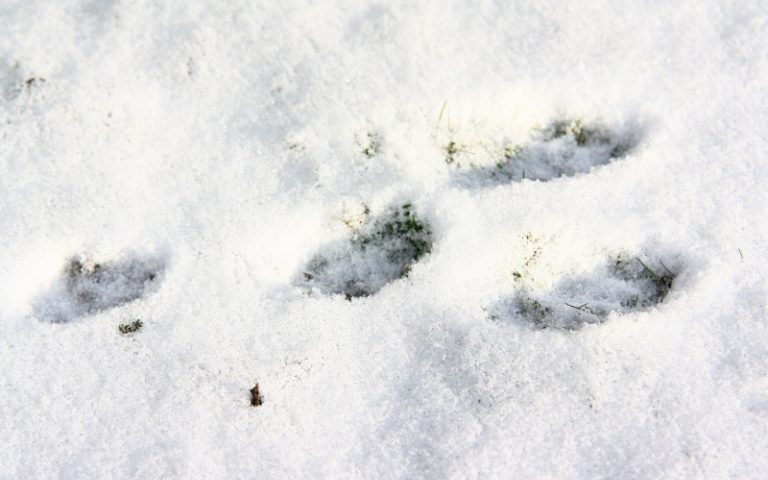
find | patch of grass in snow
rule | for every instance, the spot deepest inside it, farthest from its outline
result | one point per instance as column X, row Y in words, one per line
column 624, row 284
column 456, row 152
column 532, row 310
column 527, row 270
column 659, row 280
column 370, row 144
column 452, row 151
column 86, row 287
column 380, row 250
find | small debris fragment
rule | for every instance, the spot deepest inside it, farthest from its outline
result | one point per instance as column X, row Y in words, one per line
column 33, row 82
column 256, row 399
column 130, row 327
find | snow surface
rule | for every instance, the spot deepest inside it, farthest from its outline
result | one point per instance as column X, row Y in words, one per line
column 214, row 148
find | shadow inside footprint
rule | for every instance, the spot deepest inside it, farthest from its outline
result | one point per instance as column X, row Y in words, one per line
column 564, row 148
column 10, row 81
column 623, row 285
column 86, row 287
column 379, row 252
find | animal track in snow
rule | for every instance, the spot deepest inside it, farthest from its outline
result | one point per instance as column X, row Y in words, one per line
column 380, row 251
column 623, row 285
column 564, row 148
column 86, row 287
column 13, row 82
column 10, row 81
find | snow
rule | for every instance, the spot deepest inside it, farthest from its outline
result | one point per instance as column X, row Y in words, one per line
column 203, row 153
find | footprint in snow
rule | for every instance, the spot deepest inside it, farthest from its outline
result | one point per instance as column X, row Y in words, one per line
column 564, row 148
column 86, row 287
column 622, row 285
column 379, row 251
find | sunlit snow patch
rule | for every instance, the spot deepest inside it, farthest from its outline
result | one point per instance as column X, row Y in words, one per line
column 379, row 251
column 623, row 285
column 86, row 287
